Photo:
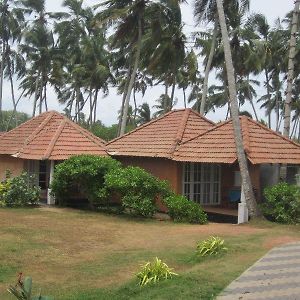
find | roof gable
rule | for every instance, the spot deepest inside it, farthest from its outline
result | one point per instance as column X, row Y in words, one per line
column 159, row 137
column 217, row 145
column 50, row 136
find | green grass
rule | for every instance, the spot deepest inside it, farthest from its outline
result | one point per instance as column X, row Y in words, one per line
column 79, row 255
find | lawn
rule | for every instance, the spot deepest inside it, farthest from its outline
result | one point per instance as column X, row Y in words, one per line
column 81, row 255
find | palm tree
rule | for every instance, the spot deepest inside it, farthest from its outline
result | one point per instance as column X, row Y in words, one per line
column 128, row 16
column 39, row 50
column 291, row 66
column 246, row 180
column 164, row 105
column 144, row 114
column 12, row 22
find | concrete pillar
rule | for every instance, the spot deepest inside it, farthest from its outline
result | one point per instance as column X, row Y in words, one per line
column 243, row 210
column 50, row 198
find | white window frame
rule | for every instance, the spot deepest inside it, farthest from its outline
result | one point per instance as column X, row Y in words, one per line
column 192, row 182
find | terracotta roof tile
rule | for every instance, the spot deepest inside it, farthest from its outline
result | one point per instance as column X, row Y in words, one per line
column 50, row 136
column 262, row 145
column 159, row 137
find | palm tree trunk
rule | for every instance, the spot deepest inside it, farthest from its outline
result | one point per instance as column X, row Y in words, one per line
column 269, row 96
column 294, row 128
column 135, row 107
column 41, row 95
column 207, row 68
column 36, row 93
column 123, row 99
column 291, row 67
column 133, row 75
column 172, row 93
column 95, row 105
column 1, row 80
column 184, row 97
column 253, row 108
column 45, row 97
column 246, row 180
column 165, row 104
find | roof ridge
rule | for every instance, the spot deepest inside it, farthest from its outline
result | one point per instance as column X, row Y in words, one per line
column 201, row 116
column 180, row 130
column 34, row 133
column 245, row 134
column 207, row 131
column 54, row 139
column 87, row 134
column 39, row 128
column 24, row 123
column 273, row 131
column 142, row 126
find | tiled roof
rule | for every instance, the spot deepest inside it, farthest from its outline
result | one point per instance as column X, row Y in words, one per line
column 50, row 136
column 261, row 144
column 160, row 137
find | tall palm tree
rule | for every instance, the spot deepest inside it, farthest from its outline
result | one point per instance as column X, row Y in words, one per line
column 291, row 67
column 40, row 51
column 11, row 22
column 246, row 180
column 128, row 16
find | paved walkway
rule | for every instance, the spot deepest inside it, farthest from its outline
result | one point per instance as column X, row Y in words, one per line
column 275, row 276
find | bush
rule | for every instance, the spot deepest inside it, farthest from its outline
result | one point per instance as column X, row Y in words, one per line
column 86, row 174
column 139, row 205
column 153, row 272
column 181, row 209
column 18, row 192
column 282, row 203
column 137, row 188
column 211, row 246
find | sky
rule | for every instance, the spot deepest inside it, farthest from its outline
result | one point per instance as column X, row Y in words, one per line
column 108, row 107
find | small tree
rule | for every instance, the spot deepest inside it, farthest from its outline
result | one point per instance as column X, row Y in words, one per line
column 85, row 173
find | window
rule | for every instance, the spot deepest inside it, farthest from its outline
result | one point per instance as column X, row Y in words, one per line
column 38, row 169
column 43, row 176
column 201, row 182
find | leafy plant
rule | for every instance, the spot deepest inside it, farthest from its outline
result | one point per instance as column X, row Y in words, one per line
column 86, row 174
column 23, row 290
column 139, row 205
column 282, row 203
column 211, row 246
column 137, row 188
column 181, row 209
column 153, row 272
column 18, row 191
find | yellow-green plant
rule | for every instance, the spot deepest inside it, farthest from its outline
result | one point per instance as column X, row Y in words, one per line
column 211, row 246
column 153, row 272
column 23, row 288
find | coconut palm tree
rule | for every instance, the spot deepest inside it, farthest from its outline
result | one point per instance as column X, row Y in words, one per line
column 12, row 23
column 291, row 67
column 39, row 50
column 246, row 180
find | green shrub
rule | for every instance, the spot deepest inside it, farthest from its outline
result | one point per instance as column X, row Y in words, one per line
column 181, row 209
column 23, row 290
column 153, row 272
column 139, row 205
column 86, row 174
column 211, row 246
column 282, row 203
column 137, row 188
column 18, row 192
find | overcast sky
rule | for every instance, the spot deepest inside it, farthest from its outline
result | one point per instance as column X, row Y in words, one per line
column 108, row 107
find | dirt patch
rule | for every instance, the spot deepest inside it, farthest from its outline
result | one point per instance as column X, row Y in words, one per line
column 278, row 241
